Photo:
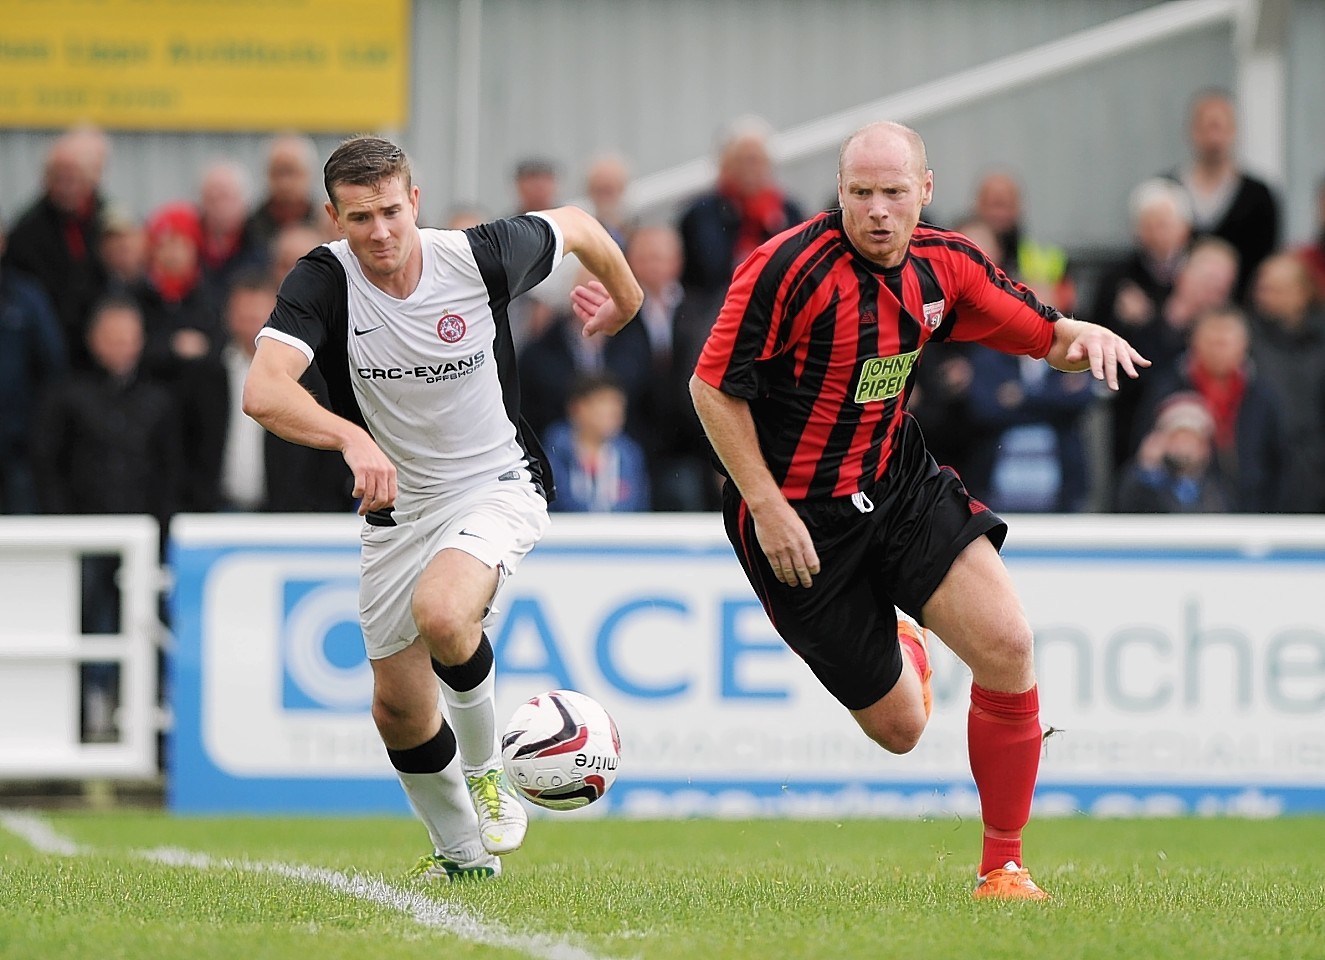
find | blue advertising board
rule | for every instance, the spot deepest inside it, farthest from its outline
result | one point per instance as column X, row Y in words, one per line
column 1203, row 693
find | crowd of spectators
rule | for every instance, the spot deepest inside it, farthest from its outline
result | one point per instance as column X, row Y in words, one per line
column 127, row 343
column 1229, row 417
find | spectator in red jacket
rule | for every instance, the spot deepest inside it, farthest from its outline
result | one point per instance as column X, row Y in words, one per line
column 1251, row 445
column 223, row 201
column 745, row 207
column 181, row 319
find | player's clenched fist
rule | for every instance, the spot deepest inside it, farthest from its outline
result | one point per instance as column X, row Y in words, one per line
column 374, row 474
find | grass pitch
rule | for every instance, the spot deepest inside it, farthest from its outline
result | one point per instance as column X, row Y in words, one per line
column 303, row 889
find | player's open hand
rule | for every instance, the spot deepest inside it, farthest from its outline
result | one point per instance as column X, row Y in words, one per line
column 1102, row 351
column 374, row 474
column 596, row 310
column 787, row 545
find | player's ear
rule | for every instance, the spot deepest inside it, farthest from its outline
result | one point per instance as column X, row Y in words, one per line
column 414, row 200
column 334, row 214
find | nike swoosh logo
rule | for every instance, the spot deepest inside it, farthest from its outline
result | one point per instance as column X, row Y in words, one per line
column 466, row 533
column 360, row 333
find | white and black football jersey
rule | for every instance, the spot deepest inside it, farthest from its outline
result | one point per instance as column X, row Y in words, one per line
column 432, row 377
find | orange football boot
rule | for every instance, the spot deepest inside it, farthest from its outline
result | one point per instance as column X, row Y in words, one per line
column 1009, row 882
column 921, row 636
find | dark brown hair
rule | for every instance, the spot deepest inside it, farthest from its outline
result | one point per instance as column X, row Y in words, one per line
column 365, row 162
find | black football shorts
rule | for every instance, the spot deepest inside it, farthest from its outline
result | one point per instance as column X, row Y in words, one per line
column 893, row 546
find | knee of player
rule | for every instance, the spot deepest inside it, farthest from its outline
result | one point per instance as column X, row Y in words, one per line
column 900, row 736
column 1013, row 642
column 438, row 624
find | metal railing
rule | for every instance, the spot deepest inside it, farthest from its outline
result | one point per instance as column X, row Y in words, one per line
column 46, row 695
column 1112, row 39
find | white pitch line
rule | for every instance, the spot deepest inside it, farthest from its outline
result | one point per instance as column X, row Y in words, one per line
column 421, row 909
column 39, row 834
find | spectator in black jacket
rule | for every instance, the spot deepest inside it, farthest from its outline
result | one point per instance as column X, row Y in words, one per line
column 1130, row 297
column 1227, row 201
column 123, row 248
column 106, row 440
column 32, row 356
column 682, row 475
column 1288, row 347
column 232, row 463
column 291, row 165
column 55, row 241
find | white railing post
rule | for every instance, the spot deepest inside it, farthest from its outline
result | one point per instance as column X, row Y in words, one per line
column 42, row 647
column 1261, row 91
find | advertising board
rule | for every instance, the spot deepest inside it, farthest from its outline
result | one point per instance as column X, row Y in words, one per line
column 1182, row 670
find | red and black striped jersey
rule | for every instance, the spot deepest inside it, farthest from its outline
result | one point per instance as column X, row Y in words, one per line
column 823, row 343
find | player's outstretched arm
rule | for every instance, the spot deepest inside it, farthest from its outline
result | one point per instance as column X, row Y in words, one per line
column 1080, row 346
column 274, row 398
column 610, row 304
column 780, row 531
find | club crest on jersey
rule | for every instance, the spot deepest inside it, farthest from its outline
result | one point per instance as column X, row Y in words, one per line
column 451, row 327
column 934, row 314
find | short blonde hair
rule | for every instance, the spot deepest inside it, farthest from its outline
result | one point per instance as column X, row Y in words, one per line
column 1156, row 192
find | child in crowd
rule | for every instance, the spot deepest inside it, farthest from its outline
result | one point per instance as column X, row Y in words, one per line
column 597, row 468
column 1172, row 472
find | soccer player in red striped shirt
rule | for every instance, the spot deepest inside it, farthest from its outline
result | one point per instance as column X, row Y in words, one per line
column 837, row 511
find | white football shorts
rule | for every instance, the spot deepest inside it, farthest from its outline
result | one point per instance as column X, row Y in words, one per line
column 498, row 524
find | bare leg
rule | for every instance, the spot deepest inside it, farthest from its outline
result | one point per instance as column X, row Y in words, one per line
column 449, row 602
column 450, row 599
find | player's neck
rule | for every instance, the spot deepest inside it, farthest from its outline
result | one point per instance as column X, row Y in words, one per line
column 403, row 282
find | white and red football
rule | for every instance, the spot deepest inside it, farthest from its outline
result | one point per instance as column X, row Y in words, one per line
column 561, row 750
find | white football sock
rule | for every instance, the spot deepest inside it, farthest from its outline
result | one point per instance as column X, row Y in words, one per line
column 473, row 717
column 441, row 800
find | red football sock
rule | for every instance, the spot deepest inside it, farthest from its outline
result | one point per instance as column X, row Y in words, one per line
column 1003, row 737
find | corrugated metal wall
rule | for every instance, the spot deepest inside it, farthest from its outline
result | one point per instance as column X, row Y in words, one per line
column 655, row 79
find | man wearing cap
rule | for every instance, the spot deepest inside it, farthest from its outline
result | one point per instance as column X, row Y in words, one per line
column 1171, row 472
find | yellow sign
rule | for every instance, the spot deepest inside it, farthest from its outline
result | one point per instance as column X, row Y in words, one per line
column 312, row 65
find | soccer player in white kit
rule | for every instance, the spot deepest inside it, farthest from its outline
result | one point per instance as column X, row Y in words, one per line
column 409, row 328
